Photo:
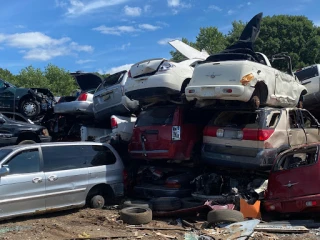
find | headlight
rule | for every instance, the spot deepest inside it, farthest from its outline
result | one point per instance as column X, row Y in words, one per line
column 45, row 132
column 246, row 79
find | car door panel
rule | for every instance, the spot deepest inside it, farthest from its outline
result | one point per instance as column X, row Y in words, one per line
column 310, row 126
column 296, row 134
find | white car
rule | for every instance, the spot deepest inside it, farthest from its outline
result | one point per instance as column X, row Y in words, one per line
column 240, row 74
column 158, row 79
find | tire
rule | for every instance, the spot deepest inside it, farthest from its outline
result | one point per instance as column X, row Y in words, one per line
column 136, row 203
column 255, row 101
column 190, row 202
column 166, row 204
column 23, row 142
column 224, row 215
column 136, row 215
column 97, row 201
column 30, row 108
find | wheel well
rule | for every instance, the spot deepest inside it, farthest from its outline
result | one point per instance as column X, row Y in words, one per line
column 304, row 92
column 262, row 88
column 185, row 84
column 28, row 136
column 102, row 189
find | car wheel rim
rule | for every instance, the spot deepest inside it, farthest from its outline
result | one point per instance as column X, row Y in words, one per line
column 29, row 108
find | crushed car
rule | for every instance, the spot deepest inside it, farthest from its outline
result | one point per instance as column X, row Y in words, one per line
column 238, row 74
column 158, row 79
column 31, row 102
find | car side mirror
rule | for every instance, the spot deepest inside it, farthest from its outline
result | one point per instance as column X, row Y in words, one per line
column 4, row 171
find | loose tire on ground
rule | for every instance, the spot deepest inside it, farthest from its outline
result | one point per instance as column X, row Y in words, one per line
column 224, row 215
column 136, row 203
column 97, row 201
column 166, row 204
column 136, row 215
column 26, row 142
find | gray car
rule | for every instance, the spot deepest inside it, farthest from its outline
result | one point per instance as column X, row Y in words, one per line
column 37, row 178
column 110, row 99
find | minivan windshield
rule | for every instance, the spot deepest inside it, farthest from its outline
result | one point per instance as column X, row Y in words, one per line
column 156, row 116
column 4, row 153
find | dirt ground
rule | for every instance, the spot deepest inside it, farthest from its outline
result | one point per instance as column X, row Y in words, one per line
column 95, row 224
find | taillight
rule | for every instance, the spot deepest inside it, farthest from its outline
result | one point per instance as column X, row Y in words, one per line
column 176, row 133
column 165, row 66
column 257, row 134
column 210, row 131
column 172, row 184
column 83, row 97
column 129, row 74
column 114, row 123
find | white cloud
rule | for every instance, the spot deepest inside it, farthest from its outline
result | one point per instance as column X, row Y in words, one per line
column 132, row 11
column 248, row 3
column 38, row 46
column 176, row 4
column 163, row 23
column 20, row 26
column 165, row 41
column 173, row 3
column 149, row 27
column 147, row 8
column 75, row 8
column 124, row 46
column 84, row 61
column 60, row 3
column 118, row 30
column 214, row 7
column 230, row 12
column 116, row 69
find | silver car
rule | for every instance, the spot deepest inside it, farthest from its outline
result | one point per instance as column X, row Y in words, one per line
column 37, row 178
column 88, row 82
column 110, row 99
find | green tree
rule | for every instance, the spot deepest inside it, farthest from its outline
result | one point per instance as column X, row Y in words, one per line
column 211, row 40
column 234, row 34
column 61, row 83
column 31, row 77
column 6, row 75
column 177, row 56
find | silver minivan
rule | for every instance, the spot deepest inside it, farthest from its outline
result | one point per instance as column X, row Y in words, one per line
column 110, row 99
column 37, row 178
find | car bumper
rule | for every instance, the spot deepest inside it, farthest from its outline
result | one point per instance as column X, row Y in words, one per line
column 152, row 93
column 150, row 191
column 74, row 107
column 223, row 92
column 45, row 139
column 125, row 107
column 263, row 158
column 293, row 205
column 112, row 138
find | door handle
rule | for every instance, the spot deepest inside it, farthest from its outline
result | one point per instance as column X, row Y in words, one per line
column 52, row 178
column 37, row 180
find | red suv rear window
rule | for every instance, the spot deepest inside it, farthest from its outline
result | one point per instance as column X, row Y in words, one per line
column 156, row 116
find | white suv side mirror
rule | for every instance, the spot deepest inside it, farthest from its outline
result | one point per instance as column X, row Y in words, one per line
column 4, row 170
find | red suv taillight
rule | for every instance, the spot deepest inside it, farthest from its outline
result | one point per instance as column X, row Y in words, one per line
column 257, row 134
column 114, row 123
column 83, row 97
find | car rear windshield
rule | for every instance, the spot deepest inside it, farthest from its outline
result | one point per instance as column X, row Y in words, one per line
column 156, row 116
column 112, row 80
column 307, row 73
column 4, row 153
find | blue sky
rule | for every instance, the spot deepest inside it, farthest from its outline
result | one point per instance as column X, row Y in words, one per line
column 108, row 35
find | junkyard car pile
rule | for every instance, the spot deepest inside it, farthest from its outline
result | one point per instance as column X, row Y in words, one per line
column 207, row 128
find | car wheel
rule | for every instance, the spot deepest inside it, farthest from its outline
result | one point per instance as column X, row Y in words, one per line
column 26, row 142
column 255, row 102
column 97, row 201
column 136, row 215
column 30, row 108
column 224, row 215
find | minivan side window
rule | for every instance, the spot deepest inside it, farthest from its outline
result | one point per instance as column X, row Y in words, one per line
column 98, row 155
column 58, row 158
column 307, row 73
column 297, row 159
column 293, row 120
column 27, row 161
column 308, row 120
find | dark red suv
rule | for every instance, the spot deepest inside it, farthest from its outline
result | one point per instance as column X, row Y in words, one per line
column 170, row 132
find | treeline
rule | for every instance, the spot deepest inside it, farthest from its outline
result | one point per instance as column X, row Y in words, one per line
column 296, row 35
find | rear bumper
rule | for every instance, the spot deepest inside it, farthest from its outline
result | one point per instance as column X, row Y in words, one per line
column 152, row 93
column 292, row 205
column 263, row 158
column 239, row 92
column 75, row 107
column 150, row 191
column 125, row 107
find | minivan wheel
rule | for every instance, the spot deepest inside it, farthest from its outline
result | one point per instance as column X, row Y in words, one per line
column 97, row 201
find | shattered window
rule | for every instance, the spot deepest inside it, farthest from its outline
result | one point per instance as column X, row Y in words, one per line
column 308, row 120
column 297, row 159
column 293, row 120
column 274, row 120
column 156, row 116
column 236, row 119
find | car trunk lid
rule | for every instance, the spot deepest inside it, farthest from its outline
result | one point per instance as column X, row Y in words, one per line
column 87, row 81
column 146, row 67
column 188, row 51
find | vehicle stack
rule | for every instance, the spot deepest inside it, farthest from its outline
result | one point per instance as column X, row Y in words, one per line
column 226, row 127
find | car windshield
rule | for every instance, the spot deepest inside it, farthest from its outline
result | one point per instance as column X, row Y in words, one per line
column 2, row 84
column 4, row 153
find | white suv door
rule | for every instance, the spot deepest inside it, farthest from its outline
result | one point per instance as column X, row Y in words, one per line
column 23, row 189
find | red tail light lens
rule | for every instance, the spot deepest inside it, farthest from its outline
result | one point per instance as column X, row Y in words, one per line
column 210, row 131
column 114, row 123
column 83, row 97
column 257, row 134
column 129, row 74
column 173, row 185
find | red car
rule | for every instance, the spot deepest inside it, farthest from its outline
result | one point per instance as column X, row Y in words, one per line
column 293, row 184
column 168, row 132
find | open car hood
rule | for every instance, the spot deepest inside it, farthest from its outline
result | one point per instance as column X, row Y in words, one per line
column 187, row 50
column 87, row 81
column 243, row 48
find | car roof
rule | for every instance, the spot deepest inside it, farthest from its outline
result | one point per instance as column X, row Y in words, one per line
column 15, row 147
